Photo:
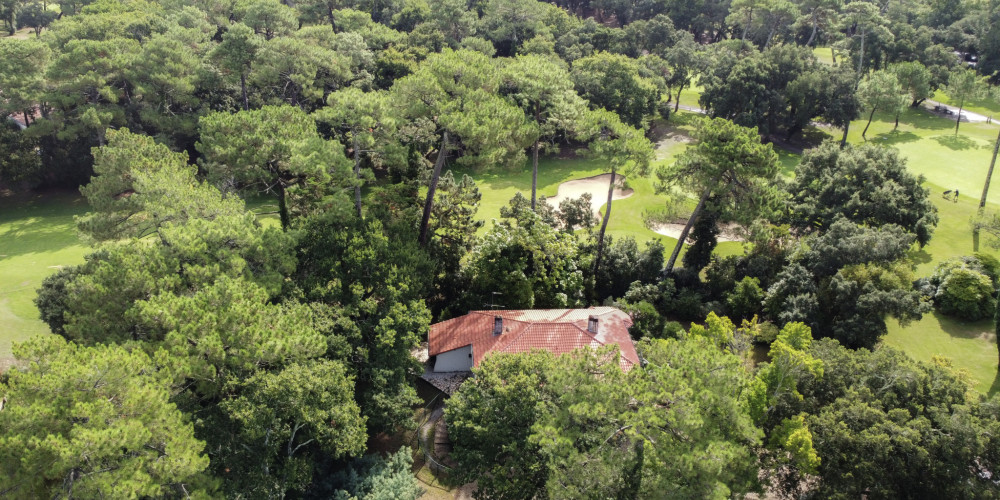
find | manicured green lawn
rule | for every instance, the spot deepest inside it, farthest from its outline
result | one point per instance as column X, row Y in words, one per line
column 971, row 345
column 929, row 143
column 37, row 236
column 948, row 162
column 823, row 54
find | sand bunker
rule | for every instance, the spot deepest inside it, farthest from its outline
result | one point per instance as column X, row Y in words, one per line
column 597, row 186
column 727, row 232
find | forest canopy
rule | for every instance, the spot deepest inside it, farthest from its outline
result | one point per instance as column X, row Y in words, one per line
column 283, row 197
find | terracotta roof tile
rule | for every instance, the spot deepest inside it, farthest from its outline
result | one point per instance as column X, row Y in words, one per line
column 555, row 330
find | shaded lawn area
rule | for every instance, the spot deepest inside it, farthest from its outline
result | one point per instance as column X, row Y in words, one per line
column 37, row 237
column 21, row 34
column 970, row 345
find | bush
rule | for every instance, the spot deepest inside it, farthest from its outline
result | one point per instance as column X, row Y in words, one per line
column 624, row 264
column 966, row 293
column 664, row 109
column 746, row 299
column 721, row 276
column 371, row 477
column 673, row 330
column 646, row 321
column 705, row 234
column 687, row 305
column 765, row 333
column 963, row 287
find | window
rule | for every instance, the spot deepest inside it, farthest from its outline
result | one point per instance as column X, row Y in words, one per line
column 592, row 324
column 497, row 325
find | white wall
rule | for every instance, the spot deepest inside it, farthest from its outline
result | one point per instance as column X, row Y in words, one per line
column 455, row 360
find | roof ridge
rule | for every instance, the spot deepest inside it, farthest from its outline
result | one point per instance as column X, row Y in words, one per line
column 506, row 340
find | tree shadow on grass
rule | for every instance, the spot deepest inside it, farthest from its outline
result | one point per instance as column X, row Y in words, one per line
column 995, row 387
column 982, row 329
column 956, row 142
column 924, row 119
column 920, row 256
column 896, row 137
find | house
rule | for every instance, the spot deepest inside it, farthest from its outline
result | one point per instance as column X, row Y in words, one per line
column 459, row 344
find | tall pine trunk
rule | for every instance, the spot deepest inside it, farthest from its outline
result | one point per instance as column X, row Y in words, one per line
column 989, row 173
column 770, row 35
column 812, row 36
column 958, row 119
column 861, row 54
column 996, row 326
column 282, row 206
column 357, row 177
column 243, row 87
column 534, row 161
column 843, row 140
column 429, row 203
column 865, row 131
column 686, row 231
column 534, row 174
column 604, row 223
column 677, row 104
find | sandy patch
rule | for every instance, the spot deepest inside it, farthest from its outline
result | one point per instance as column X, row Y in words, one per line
column 727, row 232
column 597, row 186
column 665, row 138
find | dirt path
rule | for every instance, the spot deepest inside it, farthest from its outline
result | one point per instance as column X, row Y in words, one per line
column 597, row 186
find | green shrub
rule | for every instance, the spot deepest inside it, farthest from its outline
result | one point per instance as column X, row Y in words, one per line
column 746, row 299
column 766, row 332
column 967, row 294
column 964, row 287
column 687, row 305
column 673, row 330
column 646, row 321
column 663, row 108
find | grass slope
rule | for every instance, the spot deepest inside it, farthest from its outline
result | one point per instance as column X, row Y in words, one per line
column 37, row 236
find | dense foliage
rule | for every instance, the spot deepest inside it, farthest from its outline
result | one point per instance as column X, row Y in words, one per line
column 205, row 348
column 865, row 184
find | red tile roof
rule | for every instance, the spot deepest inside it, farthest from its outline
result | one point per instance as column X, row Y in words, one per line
column 556, row 330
